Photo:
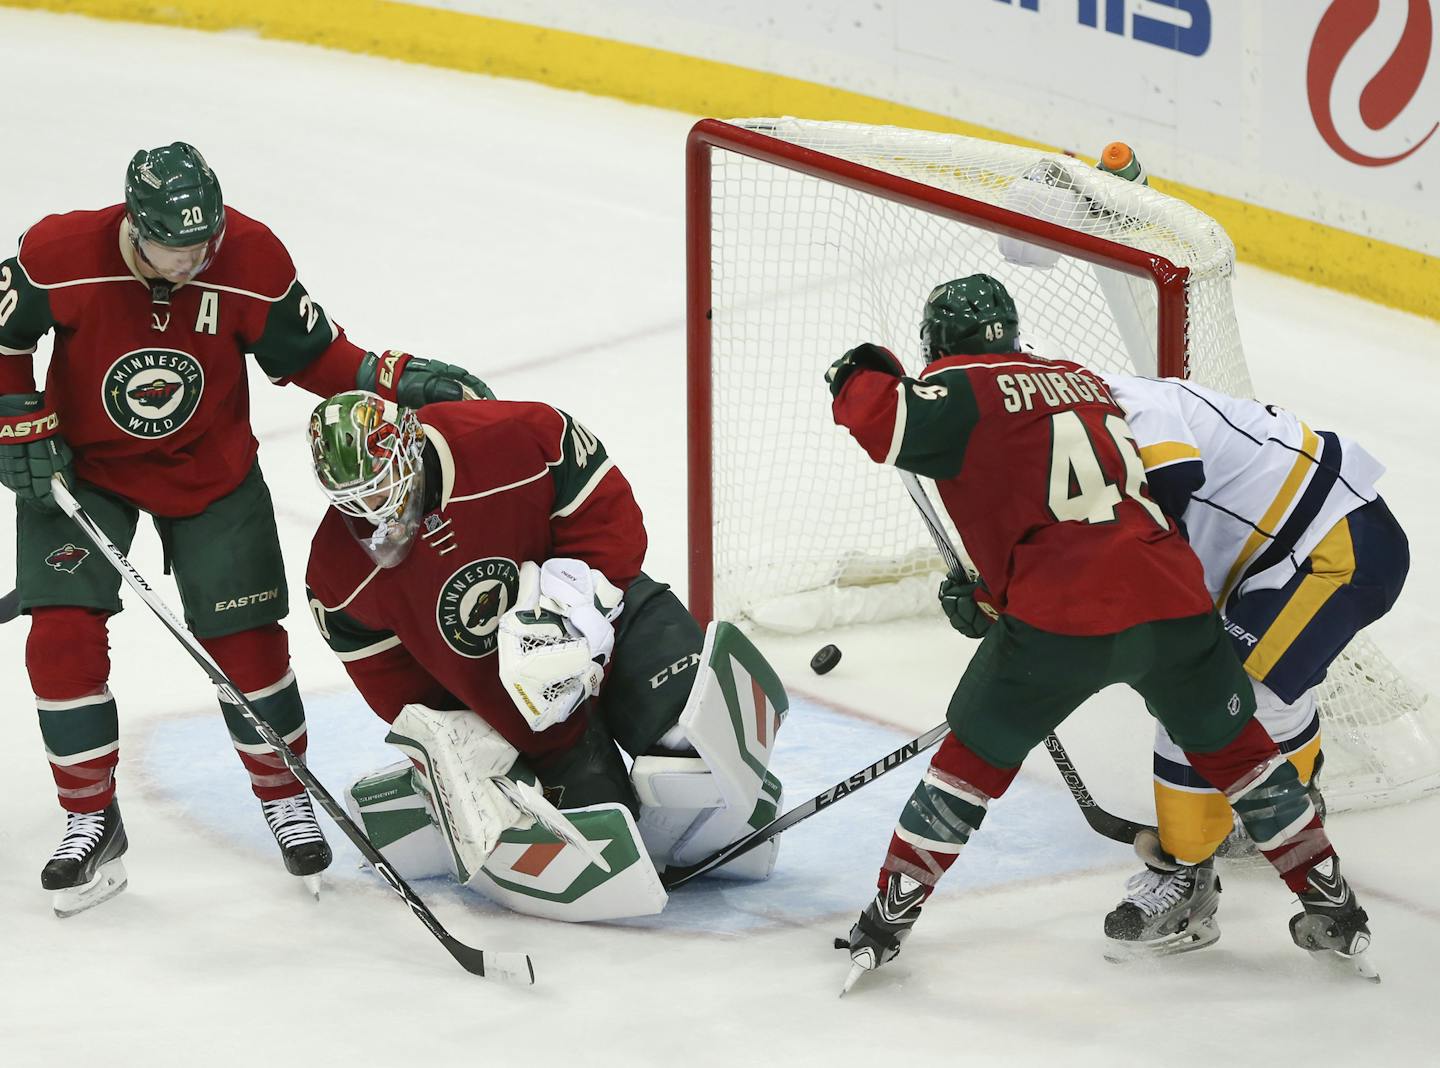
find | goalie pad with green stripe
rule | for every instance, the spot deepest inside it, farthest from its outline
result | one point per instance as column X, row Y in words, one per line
column 694, row 806
column 530, row 871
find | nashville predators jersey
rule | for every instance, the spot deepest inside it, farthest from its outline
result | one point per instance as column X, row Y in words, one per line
column 1254, row 487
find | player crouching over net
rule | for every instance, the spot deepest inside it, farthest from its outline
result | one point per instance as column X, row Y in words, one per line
column 1084, row 582
column 478, row 573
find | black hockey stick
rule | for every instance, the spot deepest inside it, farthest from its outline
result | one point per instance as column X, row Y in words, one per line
column 674, row 877
column 1101, row 822
column 511, row 967
column 9, row 606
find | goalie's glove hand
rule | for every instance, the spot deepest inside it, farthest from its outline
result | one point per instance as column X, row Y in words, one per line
column 413, row 382
column 31, row 448
column 967, row 615
column 555, row 643
column 866, row 357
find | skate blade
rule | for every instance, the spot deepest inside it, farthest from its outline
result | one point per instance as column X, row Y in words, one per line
column 109, row 880
column 312, row 884
column 1361, row 963
column 1197, row 936
column 856, row 971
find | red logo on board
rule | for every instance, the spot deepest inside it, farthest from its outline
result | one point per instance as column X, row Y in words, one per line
column 1388, row 92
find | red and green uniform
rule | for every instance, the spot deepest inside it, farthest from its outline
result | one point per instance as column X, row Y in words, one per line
column 506, row 482
column 154, row 401
column 1092, row 585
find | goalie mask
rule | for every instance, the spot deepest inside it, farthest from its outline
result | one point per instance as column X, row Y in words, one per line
column 367, row 458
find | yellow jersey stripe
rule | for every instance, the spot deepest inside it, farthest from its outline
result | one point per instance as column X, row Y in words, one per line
column 1333, row 561
column 1167, row 452
column 1279, row 507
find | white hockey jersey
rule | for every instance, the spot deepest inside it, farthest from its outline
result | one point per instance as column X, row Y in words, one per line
column 1272, row 487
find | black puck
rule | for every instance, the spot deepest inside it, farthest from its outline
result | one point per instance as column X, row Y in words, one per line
column 825, row 659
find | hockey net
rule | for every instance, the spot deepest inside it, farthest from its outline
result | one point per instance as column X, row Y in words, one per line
column 805, row 238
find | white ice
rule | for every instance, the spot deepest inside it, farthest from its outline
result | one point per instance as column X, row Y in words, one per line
column 536, row 236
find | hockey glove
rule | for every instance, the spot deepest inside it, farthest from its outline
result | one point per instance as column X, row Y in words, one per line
column 864, row 357
column 968, row 616
column 31, row 448
column 412, row 382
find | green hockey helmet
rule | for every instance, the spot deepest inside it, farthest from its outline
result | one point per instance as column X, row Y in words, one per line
column 367, row 455
column 175, row 208
column 969, row 315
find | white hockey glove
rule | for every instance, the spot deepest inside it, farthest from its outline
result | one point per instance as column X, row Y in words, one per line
column 556, row 641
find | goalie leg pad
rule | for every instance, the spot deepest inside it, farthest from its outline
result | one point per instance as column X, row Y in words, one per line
column 391, row 808
column 693, row 806
column 535, row 873
column 457, row 755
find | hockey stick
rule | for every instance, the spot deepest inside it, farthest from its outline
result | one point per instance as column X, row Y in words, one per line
column 674, row 877
column 510, row 967
column 1101, row 821
column 9, row 606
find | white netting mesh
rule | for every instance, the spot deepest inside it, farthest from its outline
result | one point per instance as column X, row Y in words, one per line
column 807, row 532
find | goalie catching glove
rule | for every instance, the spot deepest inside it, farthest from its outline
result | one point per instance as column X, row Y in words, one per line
column 554, row 644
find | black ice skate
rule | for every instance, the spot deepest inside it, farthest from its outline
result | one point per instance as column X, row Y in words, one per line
column 86, row 870
column 1333, row 920
column 306, row 853
column 1166, row 910
column 875, row 939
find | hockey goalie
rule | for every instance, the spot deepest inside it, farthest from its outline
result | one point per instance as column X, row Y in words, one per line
column 479, row 574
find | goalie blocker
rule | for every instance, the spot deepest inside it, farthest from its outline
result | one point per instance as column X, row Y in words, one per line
column 442, row 811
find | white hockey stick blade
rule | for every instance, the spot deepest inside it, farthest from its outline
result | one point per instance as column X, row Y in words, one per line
column 312, row 884
column 509, row 968
column 532, row 802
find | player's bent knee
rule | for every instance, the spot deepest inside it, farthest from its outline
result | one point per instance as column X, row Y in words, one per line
column 67, row 653
column 255, row 658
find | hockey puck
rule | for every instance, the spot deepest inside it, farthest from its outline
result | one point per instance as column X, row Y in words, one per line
column 825, row 659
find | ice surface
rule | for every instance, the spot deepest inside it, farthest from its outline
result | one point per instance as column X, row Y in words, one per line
column 537, row 237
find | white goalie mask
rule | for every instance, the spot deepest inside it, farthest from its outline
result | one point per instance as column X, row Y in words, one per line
column 367, row 454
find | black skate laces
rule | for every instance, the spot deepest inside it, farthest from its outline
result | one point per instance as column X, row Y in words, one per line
column 83, row 831
column 292, row 820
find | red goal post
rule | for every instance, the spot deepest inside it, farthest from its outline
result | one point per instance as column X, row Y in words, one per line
column 807, row 238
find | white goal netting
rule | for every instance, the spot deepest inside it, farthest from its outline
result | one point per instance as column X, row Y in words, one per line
column 810, row 254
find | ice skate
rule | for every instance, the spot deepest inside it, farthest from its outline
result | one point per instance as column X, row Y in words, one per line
column 1166, row 911
column 875, row 939
column 1333, row 921
column 306, row 853
column 85, row 870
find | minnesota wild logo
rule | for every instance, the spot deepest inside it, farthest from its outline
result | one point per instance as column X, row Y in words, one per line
column 471, row 603
column 149, row 393
column 67, row 558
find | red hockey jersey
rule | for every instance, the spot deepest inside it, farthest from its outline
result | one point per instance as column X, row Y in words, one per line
column 1039, row 472
column 154, row 399
column 518, row 481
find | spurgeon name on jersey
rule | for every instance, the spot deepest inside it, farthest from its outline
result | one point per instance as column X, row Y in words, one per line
column 506, row 482
column 154, row 398
column 1038, row 470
